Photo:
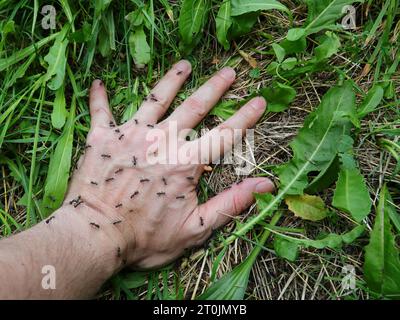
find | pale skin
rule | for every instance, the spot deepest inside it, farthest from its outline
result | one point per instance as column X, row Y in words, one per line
column 122, row 211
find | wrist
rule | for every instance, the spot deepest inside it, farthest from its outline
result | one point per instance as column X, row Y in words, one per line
column 95, row 236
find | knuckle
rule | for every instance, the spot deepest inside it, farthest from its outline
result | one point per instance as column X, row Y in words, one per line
column 95, row 136
column 159, row 101
column 246, row 117
column 236, row 204
column 219, row 81
column 197, row 107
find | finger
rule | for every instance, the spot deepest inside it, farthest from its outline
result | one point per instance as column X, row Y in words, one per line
column 196, row 107
column 222, row 208
column 221, row 139
column 161, row 97
column 98, row 103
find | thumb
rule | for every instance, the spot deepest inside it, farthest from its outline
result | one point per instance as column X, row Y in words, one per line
column 222, row 208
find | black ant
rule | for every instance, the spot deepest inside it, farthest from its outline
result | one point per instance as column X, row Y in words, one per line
column 73, row 201
column 109, row 179
column 112, row 124
column 77, row 203
column 106, row 156
column 88, row 146
column 144, row 180
column 136, row 121
column 239, row 182
column 94, row 183
column 190, row 178
column 119, row 205
column 180, row 197
column 118, row 252
column 161, row 193
column 164, row 181
column 49, row 219
column 201, row 221
column 179, row 73
column 116, row 222
column 121, row 136
column 134, row 161
column 119, row 170
column 150, row 125
column 94, row 225
column 117, row 131
column 134, row 194
column 153, row 97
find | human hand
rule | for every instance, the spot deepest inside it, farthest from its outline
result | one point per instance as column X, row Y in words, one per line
column 154, row 206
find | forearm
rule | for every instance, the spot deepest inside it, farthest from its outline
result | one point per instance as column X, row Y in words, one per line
column 82, row 256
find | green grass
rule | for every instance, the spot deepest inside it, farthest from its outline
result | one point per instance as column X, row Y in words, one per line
column 35, row 124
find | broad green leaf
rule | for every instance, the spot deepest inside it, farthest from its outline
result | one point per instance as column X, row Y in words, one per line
column 135, row 18
column 106, row 36
column 382, row 263
column 295, row 34
column 351, row 194
column 279, row 52
column 314, row 148
column 225, row 109
column 291, row 47
column 307, row 207
column 371, row 101
column 317, row 142
column 289, row 63
column 233, row 285
column 278, row 96
column 327, row 176
column 60, row 164
column 329, row 46
column 286, row 249
column 242, row 25
column 322, row 15
column 82, row 35
column 394, row 216
column 191, row 19
column 139, row 48
column 263, row 200
column 57, row 60
column 223, row 23
column 332, row 240
column 59, row 113
column 240, row 7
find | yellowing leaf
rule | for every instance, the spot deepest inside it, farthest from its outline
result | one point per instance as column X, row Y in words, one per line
column 307, row 207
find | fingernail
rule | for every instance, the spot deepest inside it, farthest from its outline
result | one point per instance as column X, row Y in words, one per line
column 259, row 103
column 228, row 73
column 183, row 65
column 98, row 82
column 265, row 186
